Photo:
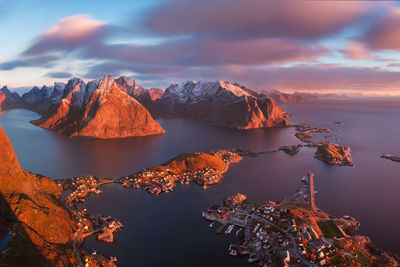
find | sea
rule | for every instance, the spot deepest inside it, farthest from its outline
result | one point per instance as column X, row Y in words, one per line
column 168, row 230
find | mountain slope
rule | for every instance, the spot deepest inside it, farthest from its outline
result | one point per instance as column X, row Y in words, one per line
column 144, row 96
column 43, row 226
column 221, row 103
column 99, row 109
column 9, row 100
column 42, row 100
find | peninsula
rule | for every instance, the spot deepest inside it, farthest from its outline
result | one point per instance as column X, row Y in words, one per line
column 294, row 232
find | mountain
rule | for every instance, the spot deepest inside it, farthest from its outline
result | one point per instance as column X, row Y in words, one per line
column 9, row 100
column 284, row 98
column 99, row 109
column 43, row 226
column 144, row 96
column 299, row 97
column 221, row 103
column 42, row 100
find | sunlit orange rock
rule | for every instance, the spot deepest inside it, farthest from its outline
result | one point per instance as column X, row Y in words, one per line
column 99, row 110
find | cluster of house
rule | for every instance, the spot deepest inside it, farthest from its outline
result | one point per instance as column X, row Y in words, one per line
column 89, row 261
column 107, row 231
column 272, row 236
column 157, row 181
column 81, row 187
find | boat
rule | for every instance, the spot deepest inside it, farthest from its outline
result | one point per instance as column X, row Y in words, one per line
column 211, row 224
column 233, row 252
column 220, row 229
column 229, row 229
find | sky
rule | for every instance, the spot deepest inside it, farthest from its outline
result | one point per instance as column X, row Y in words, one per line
column 350, row 47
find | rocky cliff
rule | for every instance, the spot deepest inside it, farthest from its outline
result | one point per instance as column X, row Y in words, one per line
column 43, row 226
column 334, row 154
column 99, row 109
column 9, row 100
column 221, row 103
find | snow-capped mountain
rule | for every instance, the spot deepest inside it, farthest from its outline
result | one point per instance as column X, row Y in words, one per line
column 221, row 103
column 98, row 109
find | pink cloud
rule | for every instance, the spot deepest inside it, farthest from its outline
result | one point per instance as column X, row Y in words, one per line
column 385, row 32
column 357, row 50
column 210, row 52
column 73, row 28
column 69, row 33
column 267, row 18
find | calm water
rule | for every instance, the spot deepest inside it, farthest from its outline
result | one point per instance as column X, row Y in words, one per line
column 169, row 230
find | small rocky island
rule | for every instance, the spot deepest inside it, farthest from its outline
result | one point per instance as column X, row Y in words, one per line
column 391, row 157
column 328, row 152
column 334, row 154
column 294, row 232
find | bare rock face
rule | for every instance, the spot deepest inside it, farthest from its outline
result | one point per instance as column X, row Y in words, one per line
column 2, row 99
column 221, row 103
column 9, row 100
column 334, row 154
column 144, row 96
column 100, row 110
column 44, row 227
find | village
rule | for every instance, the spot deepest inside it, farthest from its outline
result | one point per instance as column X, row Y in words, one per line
column 157, row 181
column 77, row 190
column 290, row 233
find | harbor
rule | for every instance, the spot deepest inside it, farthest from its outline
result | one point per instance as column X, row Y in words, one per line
column 291, row 232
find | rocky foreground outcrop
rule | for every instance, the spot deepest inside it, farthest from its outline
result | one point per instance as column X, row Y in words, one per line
column 99, row 109
column 221, row 103
column 43, row 226
column 334, row 154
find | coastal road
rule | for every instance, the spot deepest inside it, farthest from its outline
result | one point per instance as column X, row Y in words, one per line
column 77, row 254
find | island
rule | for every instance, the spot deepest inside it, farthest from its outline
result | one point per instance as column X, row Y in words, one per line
column 294, row 232
column 391, row 157
column 304, row 132
column 328, row 152
column 202, row 168
column 99, row 109
column 334, row 154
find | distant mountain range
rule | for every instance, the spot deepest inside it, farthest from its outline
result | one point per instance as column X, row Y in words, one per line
column 299, row 97
column 117, row 108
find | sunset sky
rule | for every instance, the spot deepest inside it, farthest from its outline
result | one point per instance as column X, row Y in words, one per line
column 320, row 46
